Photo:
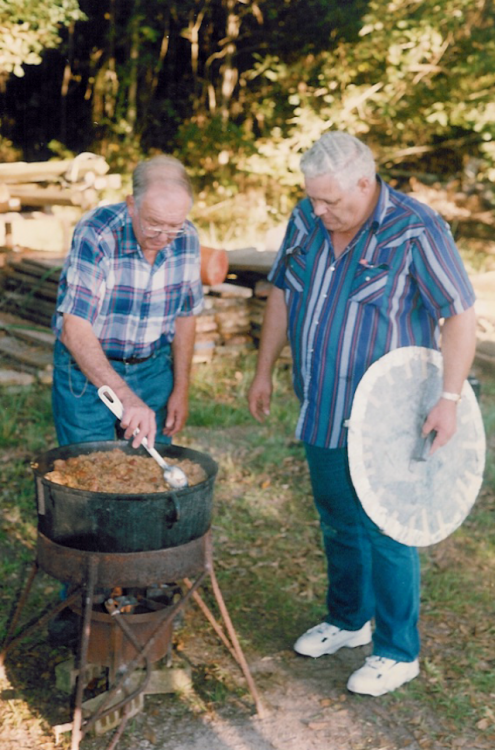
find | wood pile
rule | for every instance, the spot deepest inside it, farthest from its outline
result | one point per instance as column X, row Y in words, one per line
column 229, row 325
column 224, row 327
column 30, row 288
column 33, row 197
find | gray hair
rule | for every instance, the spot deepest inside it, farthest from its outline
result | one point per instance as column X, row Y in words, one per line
column 160, row 170
column 341, row 155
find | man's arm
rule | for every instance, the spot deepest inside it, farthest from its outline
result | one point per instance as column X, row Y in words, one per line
column 273, row 340
column 458, row 350
column 79, row 338
column 182, row 350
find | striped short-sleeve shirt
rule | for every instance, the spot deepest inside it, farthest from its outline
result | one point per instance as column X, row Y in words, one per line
column 400, row 275
column 131, row 305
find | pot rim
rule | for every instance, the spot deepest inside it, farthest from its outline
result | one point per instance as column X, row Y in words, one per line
column 107, row 446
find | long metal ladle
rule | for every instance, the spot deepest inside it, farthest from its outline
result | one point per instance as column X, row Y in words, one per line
column 175, row 477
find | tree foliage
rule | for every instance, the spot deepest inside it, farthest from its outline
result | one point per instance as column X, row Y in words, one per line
column 28, row 28
column 419, row 81
column 238, row 88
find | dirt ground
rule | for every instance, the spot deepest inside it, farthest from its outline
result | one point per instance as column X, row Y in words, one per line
column 306, row 704
column 306, row 707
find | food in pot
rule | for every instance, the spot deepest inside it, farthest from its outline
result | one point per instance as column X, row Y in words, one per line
column 119, row 473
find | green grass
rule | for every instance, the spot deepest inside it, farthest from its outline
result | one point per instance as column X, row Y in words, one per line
column 268, row 556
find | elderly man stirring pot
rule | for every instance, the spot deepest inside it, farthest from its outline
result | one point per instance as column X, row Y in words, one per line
column 363, row 270
column 125, row 316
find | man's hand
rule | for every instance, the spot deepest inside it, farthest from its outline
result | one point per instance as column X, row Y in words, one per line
column 177, row 411
column 458, row 348
column 138, row 416
column 259, row 397
column 443, row 420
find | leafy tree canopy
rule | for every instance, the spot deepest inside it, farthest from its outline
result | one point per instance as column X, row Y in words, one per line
column 27, row 28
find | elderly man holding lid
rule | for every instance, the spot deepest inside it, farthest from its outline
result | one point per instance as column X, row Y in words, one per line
column 125, row 315
column 363, row 270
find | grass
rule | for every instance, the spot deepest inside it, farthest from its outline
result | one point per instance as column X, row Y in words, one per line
column 268, row 555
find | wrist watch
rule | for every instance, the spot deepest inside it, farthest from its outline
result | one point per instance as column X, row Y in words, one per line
column 456, row 397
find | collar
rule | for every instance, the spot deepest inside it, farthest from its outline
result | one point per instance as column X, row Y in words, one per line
column 381, row 207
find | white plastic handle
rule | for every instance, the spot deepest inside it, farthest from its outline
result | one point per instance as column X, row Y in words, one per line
column 111, row 400
column 174, row 475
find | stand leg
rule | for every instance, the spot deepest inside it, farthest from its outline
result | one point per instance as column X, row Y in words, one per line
column 86, row 628
column 234, row 646
column 235, row 643
column 15, row 619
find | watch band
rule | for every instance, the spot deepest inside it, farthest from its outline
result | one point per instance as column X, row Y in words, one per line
column 451, row 396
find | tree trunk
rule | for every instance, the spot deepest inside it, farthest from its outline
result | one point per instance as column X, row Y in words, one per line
column 67, row 77
column 133, row 74
column 229, row 73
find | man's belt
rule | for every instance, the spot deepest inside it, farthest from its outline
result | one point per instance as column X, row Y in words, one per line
column 131, row 360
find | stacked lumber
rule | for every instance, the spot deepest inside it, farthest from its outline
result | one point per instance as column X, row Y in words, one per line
column 224, row 327
column 26, row 349
column 229, row 325
column 33, row 197
column 30, row 288
column 64, row 182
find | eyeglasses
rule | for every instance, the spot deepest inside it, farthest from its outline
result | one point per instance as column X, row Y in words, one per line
column 152, row 232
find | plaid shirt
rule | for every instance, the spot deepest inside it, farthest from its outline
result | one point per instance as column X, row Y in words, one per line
column 131, row 305
column 389, row 289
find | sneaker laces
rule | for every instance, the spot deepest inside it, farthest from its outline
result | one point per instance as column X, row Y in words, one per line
column 375, row 662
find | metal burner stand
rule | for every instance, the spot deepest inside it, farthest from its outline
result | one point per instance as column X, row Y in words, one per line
column 87, row 571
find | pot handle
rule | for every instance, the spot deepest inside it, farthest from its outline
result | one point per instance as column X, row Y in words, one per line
column 172, row 514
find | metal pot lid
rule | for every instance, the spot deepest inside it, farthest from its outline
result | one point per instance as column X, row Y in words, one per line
column 414, row 498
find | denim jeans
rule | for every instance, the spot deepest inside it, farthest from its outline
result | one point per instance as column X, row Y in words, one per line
column 370, row 574
column 81, row 416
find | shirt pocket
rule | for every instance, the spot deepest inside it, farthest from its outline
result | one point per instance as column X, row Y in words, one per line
column 369, row 285
column 295, row 269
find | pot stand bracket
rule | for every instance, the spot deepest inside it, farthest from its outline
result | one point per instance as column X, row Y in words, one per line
column 87, row 571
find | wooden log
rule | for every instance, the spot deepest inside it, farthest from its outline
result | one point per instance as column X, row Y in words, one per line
column 46, row 171
column 206, row 323
column 44, row 339
column 4, row 198
column 29, row 307
column 40, row 269
column 44, row 233
column 208, row 336
column 24, row 353
column 43, row 264
column 231, row 290
column 32, row 194
column 29, row 285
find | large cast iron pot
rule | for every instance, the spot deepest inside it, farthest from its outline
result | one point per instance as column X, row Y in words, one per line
column 107, row 522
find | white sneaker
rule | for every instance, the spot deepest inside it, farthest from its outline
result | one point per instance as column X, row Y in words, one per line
column 327, row 639
column 380, row 675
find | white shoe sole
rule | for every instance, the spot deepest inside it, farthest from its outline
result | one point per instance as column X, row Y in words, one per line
column 377, row 690
column 361, row 639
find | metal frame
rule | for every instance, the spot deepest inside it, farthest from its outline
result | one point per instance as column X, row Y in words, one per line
column 86, row 571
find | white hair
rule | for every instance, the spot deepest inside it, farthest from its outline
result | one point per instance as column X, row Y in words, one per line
column 162, row 170
column 341, row 155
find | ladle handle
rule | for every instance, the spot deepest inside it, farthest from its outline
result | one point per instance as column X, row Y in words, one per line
column 113, row 402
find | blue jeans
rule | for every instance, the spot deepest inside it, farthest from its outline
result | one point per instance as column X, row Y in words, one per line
column 370, row 574
column 81, row 416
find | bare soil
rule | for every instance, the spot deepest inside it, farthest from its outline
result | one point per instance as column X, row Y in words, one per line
column 306, row 707
column 305, row 701
column 306, row 704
